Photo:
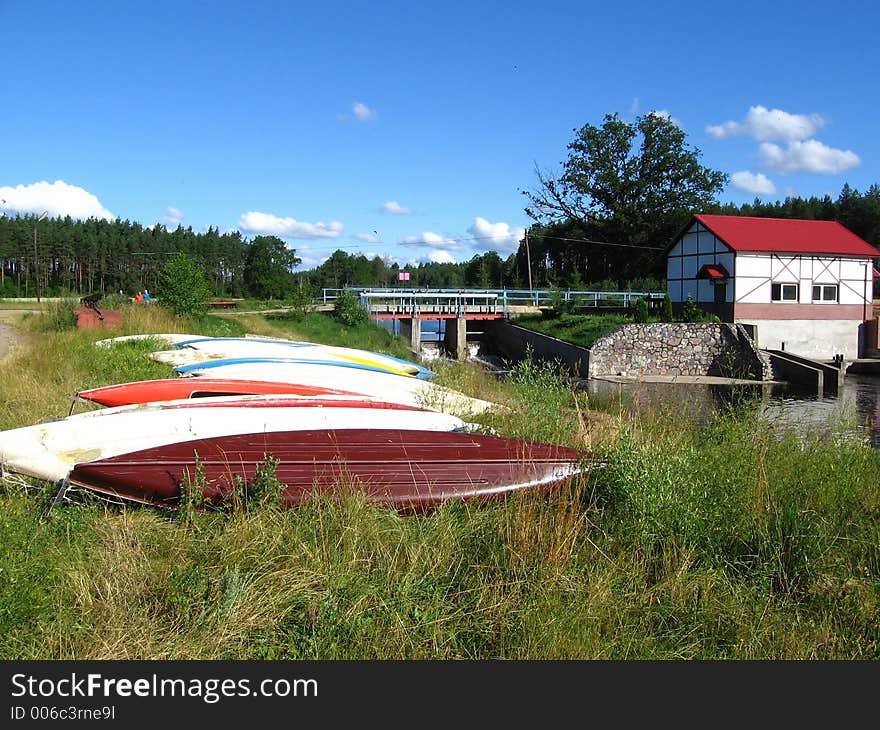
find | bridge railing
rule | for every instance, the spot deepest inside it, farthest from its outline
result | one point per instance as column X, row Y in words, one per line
column 411, row 303
column 506, row 297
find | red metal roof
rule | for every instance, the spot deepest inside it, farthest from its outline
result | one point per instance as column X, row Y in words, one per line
column 786, row 235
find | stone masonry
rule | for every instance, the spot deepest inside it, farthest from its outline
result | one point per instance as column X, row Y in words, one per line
column 678, row 348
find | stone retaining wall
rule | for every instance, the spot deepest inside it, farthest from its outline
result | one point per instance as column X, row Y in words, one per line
column 678, row 348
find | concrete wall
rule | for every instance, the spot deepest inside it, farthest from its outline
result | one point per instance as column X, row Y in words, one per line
column 645, row 349
column 455, row 338
column 817, row 339
column 511, row 341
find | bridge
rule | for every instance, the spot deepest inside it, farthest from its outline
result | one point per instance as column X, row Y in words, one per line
column 410, row 307
column 433, row 304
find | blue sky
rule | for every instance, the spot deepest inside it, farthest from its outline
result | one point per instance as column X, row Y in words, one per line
column 408, row 131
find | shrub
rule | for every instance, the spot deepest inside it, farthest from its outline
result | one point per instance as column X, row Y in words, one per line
column 347, row 309
column 666, row 313
column 59, row 316
column 183, row 287
column 639, row 309
column 559, row 305
column 691, row 312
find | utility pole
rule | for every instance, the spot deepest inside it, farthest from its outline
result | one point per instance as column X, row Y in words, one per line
column 36, row 257
column 528, row 259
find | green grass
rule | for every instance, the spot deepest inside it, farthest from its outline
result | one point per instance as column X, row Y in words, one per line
column 323, row 328
column 579, row 329
column 728, row 539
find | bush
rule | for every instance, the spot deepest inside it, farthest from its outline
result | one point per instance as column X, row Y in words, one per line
column 347, row 309
column 691, row 312
column 60, row 316
column 639, row 310
column 300, row 298
column 559, row 305
column 183, row 287
column 666, row 313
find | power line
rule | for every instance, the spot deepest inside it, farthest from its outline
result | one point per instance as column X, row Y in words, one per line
column 461, row 239
column 598, row 243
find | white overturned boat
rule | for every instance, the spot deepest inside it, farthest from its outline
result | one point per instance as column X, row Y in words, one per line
column 316, row 354
column 384, row 386
column 208, row 348
column 50, row 450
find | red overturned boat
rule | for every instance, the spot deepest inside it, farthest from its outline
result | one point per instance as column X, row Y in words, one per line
column 152, row 391
column 408, row 470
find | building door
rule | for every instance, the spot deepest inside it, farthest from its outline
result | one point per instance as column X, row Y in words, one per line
column 720, row 287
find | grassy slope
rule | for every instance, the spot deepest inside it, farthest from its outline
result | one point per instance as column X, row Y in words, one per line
column 578, row 329
column 727, row 541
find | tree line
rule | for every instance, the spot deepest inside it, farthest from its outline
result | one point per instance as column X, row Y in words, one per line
column 601, row 222
column 84, row 256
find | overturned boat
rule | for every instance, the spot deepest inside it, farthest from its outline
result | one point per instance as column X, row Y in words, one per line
column 410, row 470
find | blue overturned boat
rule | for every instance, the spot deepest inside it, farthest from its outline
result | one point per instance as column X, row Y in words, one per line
column 211, row 349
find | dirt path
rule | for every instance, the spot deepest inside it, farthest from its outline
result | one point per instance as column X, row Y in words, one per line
column 9, row 336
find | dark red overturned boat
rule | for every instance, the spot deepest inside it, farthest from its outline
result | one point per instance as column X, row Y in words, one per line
column 407, row 470
column 152, row 391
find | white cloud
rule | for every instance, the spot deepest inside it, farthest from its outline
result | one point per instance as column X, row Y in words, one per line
column 392, row 207
column 267, row 224
column 363, row 113
column 663, row 114
column 366, row 238
column 435, row 257
column 309, row 258
column 808, row 156
column 173, row 217
column 750, row 182
column 768, row 124
column 59, row 199
column 498, row 236
column 431, row 240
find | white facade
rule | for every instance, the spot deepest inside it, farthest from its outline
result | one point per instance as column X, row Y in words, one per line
column 811, row 305
column 756, row 272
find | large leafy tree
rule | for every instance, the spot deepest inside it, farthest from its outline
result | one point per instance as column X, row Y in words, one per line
column 630, row 185
column 268, row 268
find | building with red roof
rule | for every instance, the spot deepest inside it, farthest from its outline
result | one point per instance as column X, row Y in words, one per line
column 798, row 285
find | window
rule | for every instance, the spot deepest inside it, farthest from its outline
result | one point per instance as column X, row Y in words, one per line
column 784, row 292
column 825, row 293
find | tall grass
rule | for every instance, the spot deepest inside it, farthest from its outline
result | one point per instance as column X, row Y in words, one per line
column 726, row 539
column 318, row 327
column 579, row 329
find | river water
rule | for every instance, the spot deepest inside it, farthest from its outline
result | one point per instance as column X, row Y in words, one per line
column 854, row 411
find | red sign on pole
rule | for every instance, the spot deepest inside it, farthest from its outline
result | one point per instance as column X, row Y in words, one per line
column 403, row 276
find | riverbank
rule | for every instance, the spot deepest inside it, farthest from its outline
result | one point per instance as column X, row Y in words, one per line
column 727, row 539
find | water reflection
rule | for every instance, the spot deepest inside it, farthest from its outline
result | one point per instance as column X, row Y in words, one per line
column 855, row 410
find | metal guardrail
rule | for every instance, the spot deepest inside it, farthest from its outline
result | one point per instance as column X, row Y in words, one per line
column 436, row 302
column 406, row 299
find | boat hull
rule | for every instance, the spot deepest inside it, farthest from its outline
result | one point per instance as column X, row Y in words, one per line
column 207, row 348
column 151, row 391
column 410, row 470
column 50, row 450
column 384, row 386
